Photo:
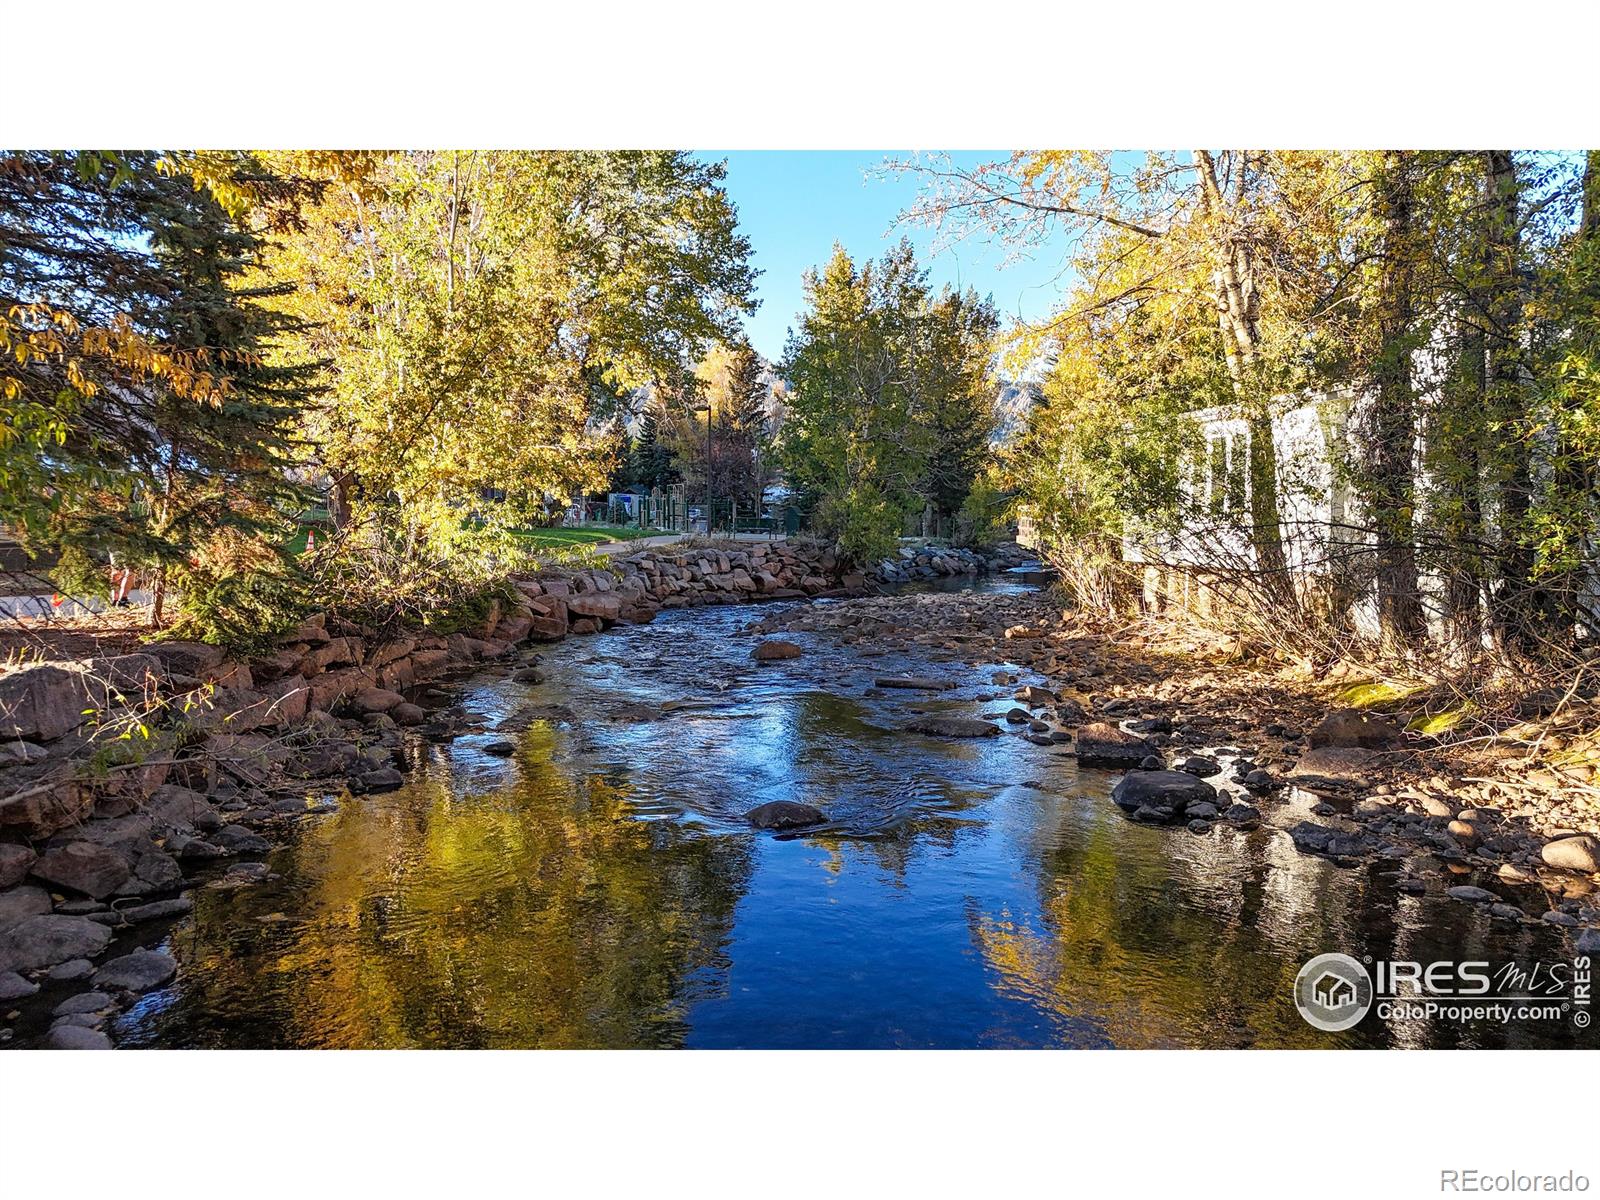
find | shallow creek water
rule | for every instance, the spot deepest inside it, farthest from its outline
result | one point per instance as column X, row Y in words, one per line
column 598, row 888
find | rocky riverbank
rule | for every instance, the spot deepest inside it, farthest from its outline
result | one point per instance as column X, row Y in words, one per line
column 128, row 780
column 1201, row 744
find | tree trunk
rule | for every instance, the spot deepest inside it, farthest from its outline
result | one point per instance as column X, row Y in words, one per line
column 1508, row 406
column 1392, row 440
column 1238, row 312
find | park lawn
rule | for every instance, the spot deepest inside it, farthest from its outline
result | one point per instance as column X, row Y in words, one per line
column 582, row 535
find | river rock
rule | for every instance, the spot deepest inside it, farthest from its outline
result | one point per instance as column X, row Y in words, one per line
column 75, row 1037
column 1588, row 942
column 158, row 910
column 83, row 867
column 158, row 872
column 408, row 714
column 1245, row 816
column 1309, row 836
column 785, row 814
column 236, row 839
column 84, row 1002
column 48, row 939
column 1034, row 697
column 774, row 649
column 1333, row 764
column 185, row 658
column 1104, row 745
column 377, row 700
column 18, row 904
column 953, row 727
column 1472, row 895
column 1580, row 853
column 1169, row 792
column 70, row 971
column 1199, row 765
column 914, row 683
column 14, row 863
column 44, row 701
column 1348, row 728
column 382, row 779
column 136, row 972
column 15, row 987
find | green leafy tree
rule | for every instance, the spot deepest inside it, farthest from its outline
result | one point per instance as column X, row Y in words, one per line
column 892, row 403
column 142, row 420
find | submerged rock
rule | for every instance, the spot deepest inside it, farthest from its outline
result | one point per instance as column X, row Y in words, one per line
column 785, row 814
column 775, row 649
column 953, row 727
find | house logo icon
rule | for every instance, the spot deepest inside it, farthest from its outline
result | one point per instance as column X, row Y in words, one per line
column 1333, row 992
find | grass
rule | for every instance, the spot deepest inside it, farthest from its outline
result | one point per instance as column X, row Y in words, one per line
column 1368, row 695
column 561, row 536
column 583, row 535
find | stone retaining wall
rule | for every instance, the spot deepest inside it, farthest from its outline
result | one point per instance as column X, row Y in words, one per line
column 175, row 708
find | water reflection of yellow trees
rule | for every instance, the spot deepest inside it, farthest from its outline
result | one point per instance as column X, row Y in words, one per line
column 1139, row 949
column 542, row 915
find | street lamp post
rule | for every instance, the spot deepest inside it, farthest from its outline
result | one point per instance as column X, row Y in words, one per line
column 706, row 408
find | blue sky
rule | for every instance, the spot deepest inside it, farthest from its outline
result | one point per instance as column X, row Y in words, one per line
column 794, row 204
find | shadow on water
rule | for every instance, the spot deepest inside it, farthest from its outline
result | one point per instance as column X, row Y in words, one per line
column 599, row 888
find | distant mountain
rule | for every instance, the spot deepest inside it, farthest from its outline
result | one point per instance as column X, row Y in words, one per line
column 1013, row 404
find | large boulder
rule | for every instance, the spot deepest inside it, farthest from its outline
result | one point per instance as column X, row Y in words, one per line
column 95, row 871
column 289, row 699
column 1162, row 795
column 602, row 606
column 336, row 652
column 185, row 658
column 1104, row 745
column 785, row 814
column 46, row 940
column 234, row 709
column 44, row 701
column 1348, row 728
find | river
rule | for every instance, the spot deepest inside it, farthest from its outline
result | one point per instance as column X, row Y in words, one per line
column 598, row 888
